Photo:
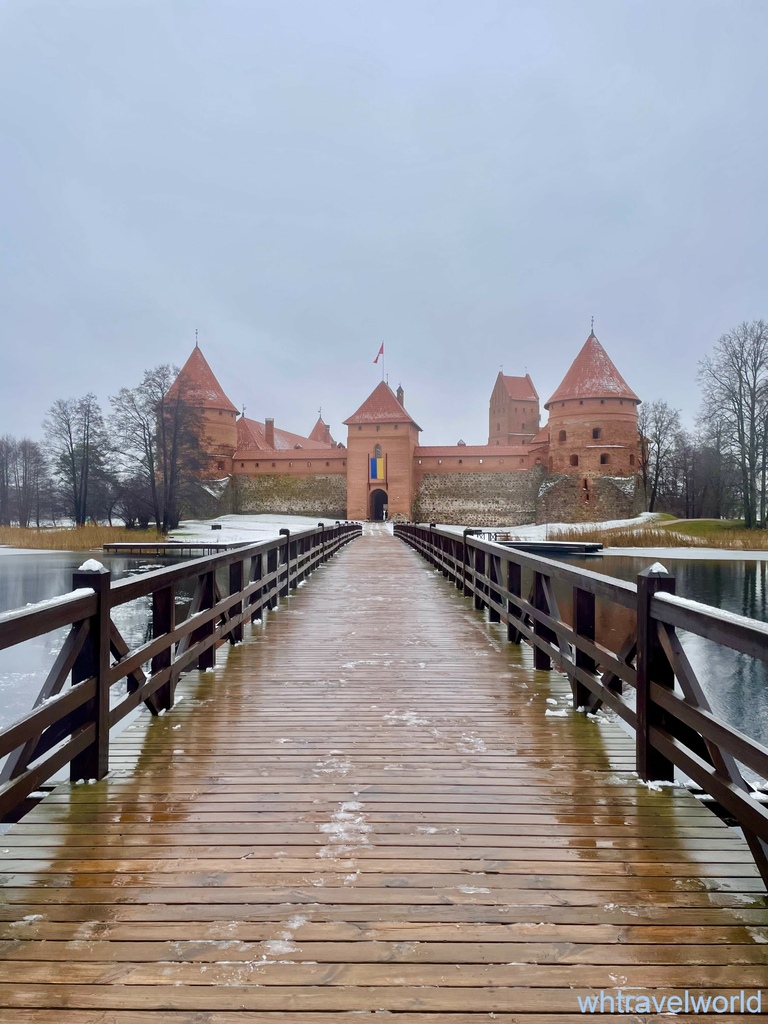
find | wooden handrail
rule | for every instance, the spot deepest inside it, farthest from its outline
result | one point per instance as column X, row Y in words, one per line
column 73, row 726
column 672, row 729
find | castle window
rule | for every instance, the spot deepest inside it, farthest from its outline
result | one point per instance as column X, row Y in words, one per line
column 257, row 465
column 481, row 462
column 419, row 461
column 460, row 461
column 596, row 433
column 439, row 462
column 574, row 460
column 522, row 461
column 562, row 436
column 289, row 464
column 523, row 426
column 273, row 465
column 631, row 460
column 604, row 459
column 242, row 464
column 220, row 465
column 309, row 463
column 359, row 427
column 343, row 462
column 602, row 401
column 220, row 412
column 327, row 463
column 377, row 451
column 378, row 428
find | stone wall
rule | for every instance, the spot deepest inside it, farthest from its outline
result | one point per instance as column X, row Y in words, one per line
column 324, row 495
column 478, row 499
column 565, row 499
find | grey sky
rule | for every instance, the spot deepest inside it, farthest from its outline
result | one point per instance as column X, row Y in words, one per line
column 467, row 181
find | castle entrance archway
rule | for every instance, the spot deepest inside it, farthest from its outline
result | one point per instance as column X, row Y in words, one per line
column 378, row 504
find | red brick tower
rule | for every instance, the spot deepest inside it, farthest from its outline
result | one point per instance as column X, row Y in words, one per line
column 513, row 416
column 593, row 418
column 219, row 415
column 381, row 441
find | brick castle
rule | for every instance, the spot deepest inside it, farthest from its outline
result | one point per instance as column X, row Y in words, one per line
column 581, row 465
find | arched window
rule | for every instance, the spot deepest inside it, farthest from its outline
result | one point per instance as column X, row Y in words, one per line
column 377, row 451
column 574, row 460
column 604, row 459
column 596, row 433
column 631, row 460
column 562, row 436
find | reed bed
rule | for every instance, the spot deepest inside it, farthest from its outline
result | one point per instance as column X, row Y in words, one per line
column 667, row 537
column 81, row 538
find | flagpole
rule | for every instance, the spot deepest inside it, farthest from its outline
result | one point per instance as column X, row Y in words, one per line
column 382, row 363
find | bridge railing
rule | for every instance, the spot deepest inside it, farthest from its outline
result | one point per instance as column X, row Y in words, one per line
column 72, row 725
column 671, row 717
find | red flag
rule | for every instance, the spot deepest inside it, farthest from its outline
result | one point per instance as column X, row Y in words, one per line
column 379, row 353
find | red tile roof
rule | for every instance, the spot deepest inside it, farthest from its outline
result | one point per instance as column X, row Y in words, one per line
column 472, row 450
column 203, row 388
column 592, row 375
column 251, row 436
column 520, row 389
column 381, row 406
column 321, row 432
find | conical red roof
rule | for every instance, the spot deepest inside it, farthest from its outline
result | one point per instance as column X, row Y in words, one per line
column 199, row 379
column 592, row 375
column 381, row 406
column 321, row 432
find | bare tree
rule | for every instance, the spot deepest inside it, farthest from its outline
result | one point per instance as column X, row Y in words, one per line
column 158, row 428
column 77, row 442
column 660, row 427
column 734, row 381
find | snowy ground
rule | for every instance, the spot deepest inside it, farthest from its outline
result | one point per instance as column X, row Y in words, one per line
column 245, row 529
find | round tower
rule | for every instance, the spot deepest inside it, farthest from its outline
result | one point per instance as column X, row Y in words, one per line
column 200, row 388
column 593, row 418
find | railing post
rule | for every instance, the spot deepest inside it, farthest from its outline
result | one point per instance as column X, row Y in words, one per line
column 93, row 660
column 479, row 570
column 652, row 666
column 468, row 532
column 321, row 527
column 235, row 587
column 514, row 586
column 163, row 614
column 584, row 626
column 285, row 589
column 272, row 567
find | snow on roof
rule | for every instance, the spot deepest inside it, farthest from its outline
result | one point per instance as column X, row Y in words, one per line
column 520, row 389
column 381, row 406
column 251, row 435
column 200, row 381
column 321, row 432
column 592, row 375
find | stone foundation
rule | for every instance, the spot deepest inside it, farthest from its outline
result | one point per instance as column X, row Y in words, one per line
column 478, row 499
column 563, row 498
column 321, row 495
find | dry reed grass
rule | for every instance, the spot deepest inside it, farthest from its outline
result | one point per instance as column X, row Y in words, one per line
column 667, row 537
column 84, row 538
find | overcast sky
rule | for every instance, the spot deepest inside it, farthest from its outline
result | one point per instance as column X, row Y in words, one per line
column 468, row 182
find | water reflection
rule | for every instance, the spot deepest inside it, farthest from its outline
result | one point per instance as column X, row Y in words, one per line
column 736, row 685
column 27, row 577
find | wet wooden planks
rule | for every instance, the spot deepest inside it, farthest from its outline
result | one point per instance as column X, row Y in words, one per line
column 365, row 812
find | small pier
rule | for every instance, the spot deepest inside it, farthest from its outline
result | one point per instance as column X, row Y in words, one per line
column 169, row 548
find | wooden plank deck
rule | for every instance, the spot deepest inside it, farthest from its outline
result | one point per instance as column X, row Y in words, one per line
column 366, row 814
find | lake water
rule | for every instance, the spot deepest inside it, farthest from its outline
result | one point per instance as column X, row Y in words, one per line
column 30, row 576
column 736, row 685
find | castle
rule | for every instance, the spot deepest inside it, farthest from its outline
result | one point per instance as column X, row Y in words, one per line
column 582, row 465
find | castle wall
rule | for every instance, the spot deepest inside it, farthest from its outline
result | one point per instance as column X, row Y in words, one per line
column 478, row 499
column 323, row 495
column 565, row 498
column 220, row 429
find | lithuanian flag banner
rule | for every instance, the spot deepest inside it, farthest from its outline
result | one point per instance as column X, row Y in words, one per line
column 377, row 469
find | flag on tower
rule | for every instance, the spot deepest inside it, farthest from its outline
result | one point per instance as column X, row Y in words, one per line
column 379, row 353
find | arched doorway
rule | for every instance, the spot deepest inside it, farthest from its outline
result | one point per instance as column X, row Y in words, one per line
column 378, row 504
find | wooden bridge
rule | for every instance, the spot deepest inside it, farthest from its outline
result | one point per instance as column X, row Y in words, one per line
column 376, row 807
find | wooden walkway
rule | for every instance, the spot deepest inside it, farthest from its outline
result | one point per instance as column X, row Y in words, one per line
column 368, row 814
